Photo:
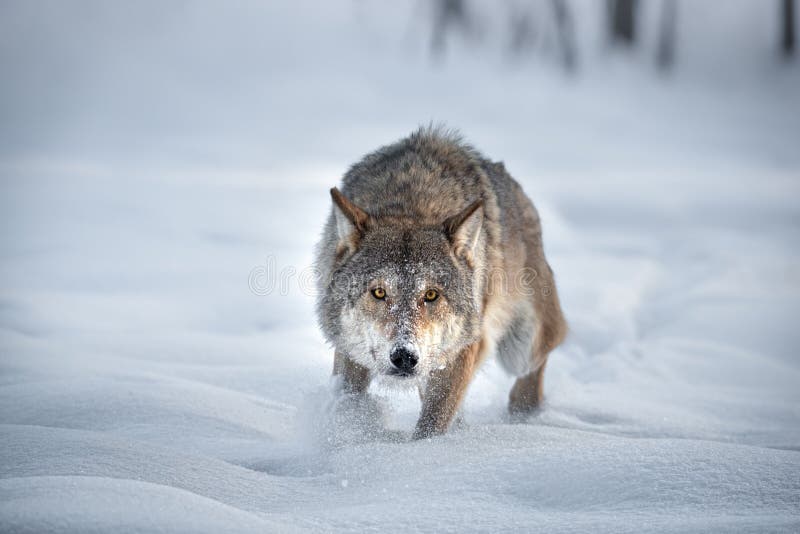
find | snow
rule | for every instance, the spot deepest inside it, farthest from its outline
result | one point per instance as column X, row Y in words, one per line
column 156, row 162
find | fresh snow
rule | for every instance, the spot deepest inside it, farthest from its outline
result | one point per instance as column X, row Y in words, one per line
column 164, row 168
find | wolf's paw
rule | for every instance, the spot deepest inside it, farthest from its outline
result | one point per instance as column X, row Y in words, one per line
column 521, row 412
column 356, row 418
column 429, row 429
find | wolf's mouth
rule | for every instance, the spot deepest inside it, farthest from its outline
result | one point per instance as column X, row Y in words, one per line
column 400, row 374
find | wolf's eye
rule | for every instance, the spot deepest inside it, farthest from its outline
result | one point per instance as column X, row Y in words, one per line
column 431, row 295
column 379, row 293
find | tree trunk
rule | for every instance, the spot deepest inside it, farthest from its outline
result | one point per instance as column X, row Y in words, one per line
column 448, row 14
column 787, row 24
column 622, row 21
column 566, row 32
column 665, row 55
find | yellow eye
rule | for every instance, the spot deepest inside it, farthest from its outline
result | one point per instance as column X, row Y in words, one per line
column 431, row 295
column 379, row 293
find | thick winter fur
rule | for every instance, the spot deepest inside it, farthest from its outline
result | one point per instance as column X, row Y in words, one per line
column 431, row 213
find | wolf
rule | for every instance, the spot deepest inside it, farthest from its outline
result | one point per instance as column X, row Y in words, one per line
column 430, row 260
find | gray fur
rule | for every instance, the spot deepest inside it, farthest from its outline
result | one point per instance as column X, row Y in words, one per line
column 426, row 212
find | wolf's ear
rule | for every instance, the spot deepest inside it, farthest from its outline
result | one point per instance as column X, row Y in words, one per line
column 463, row 229
column 351, row 221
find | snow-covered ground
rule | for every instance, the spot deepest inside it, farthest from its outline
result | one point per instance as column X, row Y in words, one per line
column 164, row 176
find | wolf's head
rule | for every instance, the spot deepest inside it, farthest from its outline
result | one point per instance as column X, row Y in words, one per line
column 403, row 297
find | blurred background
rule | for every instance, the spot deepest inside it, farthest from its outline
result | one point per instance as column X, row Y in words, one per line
column 255, row 84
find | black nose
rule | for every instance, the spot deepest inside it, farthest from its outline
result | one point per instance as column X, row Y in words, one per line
column 403, row 359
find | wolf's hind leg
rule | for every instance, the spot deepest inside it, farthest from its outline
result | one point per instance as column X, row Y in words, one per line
column 527, row 393
column 445, row 391
column 355, row 377
column 551, row 328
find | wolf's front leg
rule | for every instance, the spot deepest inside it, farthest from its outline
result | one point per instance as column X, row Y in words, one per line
column 445, row 391
column 355, row 377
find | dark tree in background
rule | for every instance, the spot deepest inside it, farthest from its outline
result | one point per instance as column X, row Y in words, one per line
column 787, row 27
column 449, row 14
column 665, row 53
column 566, row 32
column 549, row 27
column 531, row 25
column 522, row 30
column 537, row 24
column 622, row 21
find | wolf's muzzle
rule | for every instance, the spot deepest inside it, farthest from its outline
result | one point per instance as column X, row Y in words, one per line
column 404, row 360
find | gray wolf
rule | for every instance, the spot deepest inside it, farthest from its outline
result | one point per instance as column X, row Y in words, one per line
column 431, row 259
